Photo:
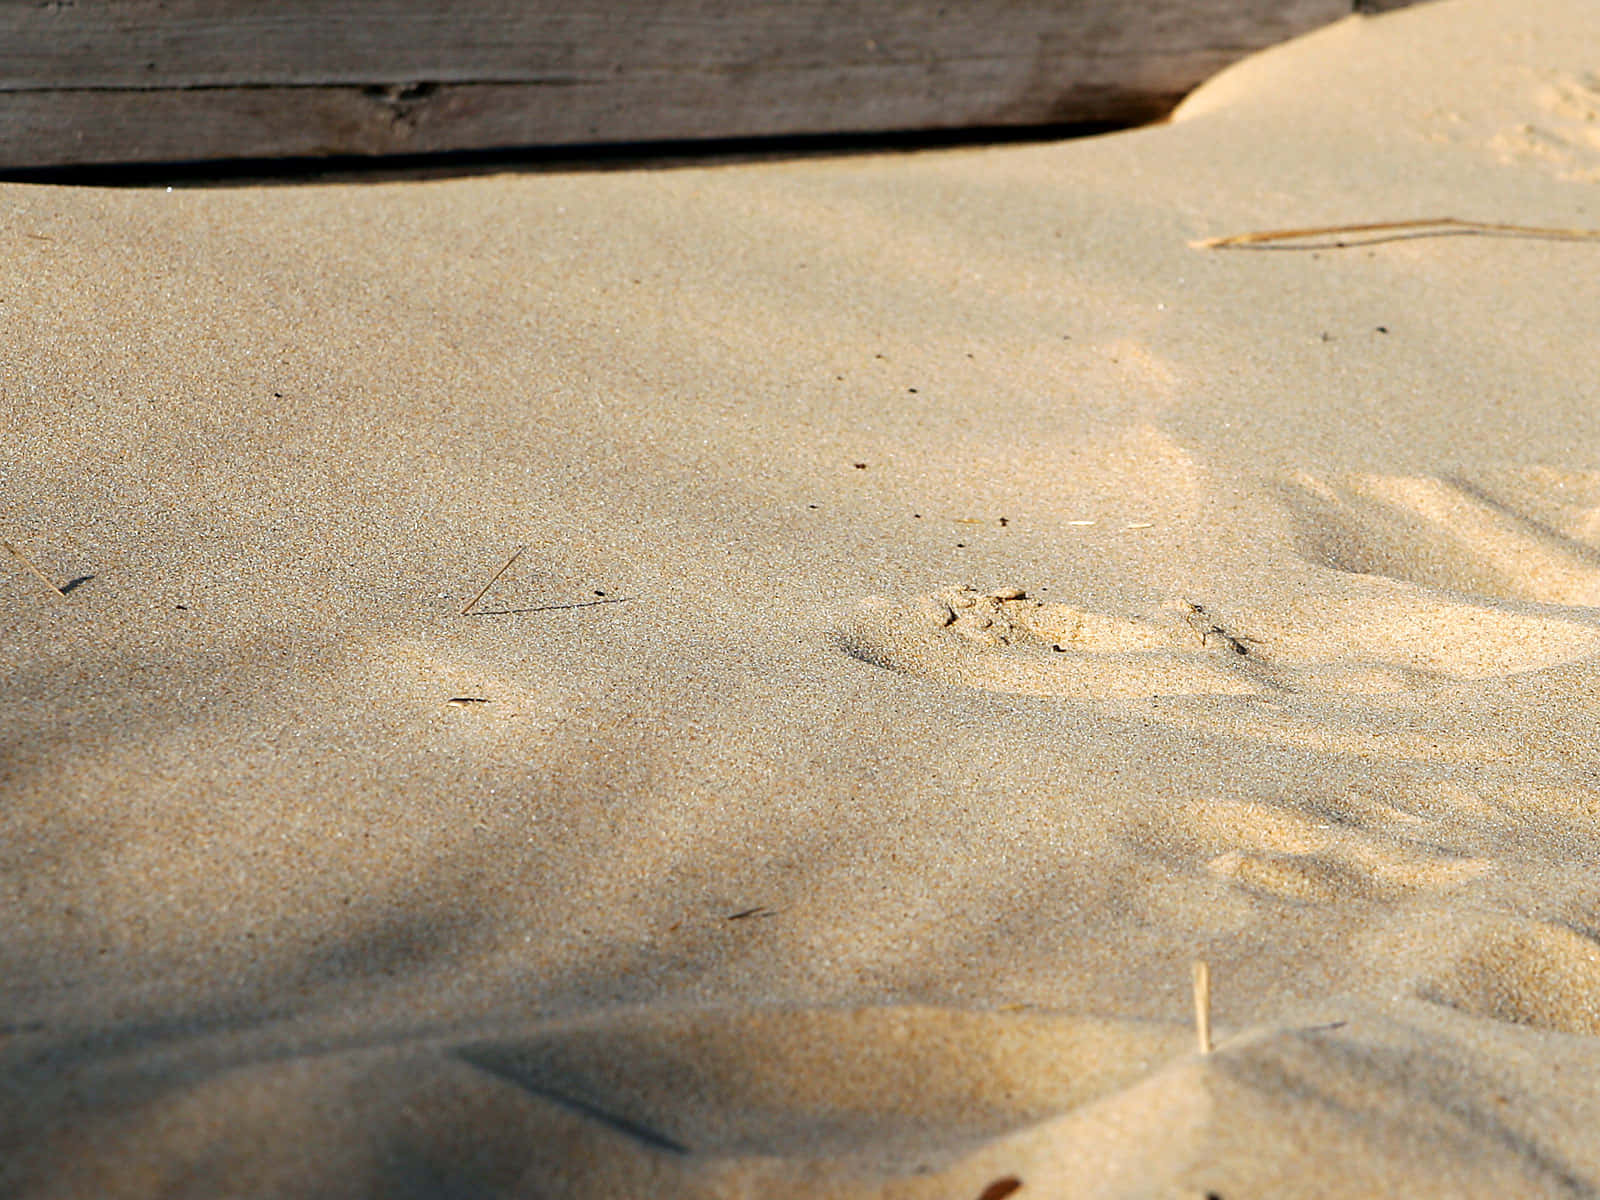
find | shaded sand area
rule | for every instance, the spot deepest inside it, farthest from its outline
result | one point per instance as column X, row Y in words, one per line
column 952, row 605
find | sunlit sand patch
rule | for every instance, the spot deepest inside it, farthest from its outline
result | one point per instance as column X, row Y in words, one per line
column 1322, row 852
column 1541, row 974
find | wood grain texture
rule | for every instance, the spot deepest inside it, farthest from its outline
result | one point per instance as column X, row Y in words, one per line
column 97, row 81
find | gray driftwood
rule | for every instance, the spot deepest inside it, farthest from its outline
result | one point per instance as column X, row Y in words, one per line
column 103, row 81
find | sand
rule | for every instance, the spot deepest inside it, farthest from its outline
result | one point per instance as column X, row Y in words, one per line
column 952, row 605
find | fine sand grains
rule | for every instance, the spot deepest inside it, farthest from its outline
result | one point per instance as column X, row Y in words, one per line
column 716, row 845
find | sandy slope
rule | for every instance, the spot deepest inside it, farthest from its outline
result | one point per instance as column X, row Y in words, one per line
column 952, row 604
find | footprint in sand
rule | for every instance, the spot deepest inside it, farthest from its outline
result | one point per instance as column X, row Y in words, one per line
column 1380, row 636
column 1563, row 136
column 1004, row 641
column 1528, row 536
column 1424, row 582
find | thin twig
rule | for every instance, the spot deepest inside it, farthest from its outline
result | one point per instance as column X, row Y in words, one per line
column 28, row 562
column 540, row 608
column 1202, row 1005
column 1207, row 626
column 1441, row 224
column 506, row 566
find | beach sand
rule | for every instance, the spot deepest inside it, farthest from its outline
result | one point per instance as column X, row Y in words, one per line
column 953, row 604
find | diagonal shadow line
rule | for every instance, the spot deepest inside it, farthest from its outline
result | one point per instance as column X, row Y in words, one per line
column 624, row 1125
column 1536, row 527
column 505, row 612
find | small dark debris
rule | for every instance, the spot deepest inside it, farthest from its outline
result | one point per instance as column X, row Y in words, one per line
column 464, row 700
column 182, row 607
column 1383, row 329
column 74, row 584
column 1007, row 1185
column 811, row 506
column 759, row 910
column 913, row 391
column 598, row 592
column 859, row 466
column 1326, row 336
column 1004, row 521
column 961, row 545
column 917, row 516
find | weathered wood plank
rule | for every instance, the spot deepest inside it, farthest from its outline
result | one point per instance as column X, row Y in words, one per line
column 64, row 128
column 96, row 81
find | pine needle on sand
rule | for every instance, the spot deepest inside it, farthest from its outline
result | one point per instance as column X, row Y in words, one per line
column 29, row 563
column 1427, row 227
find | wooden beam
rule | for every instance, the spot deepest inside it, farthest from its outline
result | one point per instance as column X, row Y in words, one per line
column 103, row 81
column 46, row 129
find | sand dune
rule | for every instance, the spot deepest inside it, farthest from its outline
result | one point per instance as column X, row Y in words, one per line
column 952, row 604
